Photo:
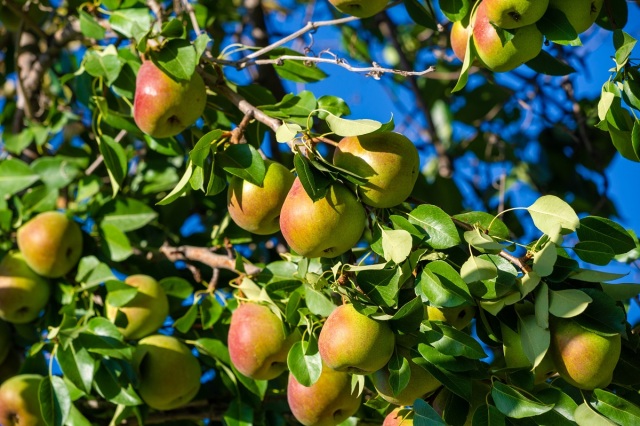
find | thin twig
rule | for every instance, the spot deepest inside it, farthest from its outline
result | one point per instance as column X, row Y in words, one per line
column 205, row 256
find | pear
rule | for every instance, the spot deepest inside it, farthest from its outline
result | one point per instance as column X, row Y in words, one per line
column 19, row 404
column 164, row 107
column 145, row 313
column 258, row 345
column 257, row 209
column 51, row 243
column 525, row 45
column 399, row 416
column 352, row 342
column 23, row 293
column 458, row 37
column 511, row 14
column 583, row 358
column 580, row 13
column 388, row 160
column 169, row 374
column 328, row 402
column 360, row 8
column 328, row 227
column 458, row 317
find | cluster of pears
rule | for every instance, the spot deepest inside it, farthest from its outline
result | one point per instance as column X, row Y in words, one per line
column 332, row 225
column 518, row 18
column 349, row 343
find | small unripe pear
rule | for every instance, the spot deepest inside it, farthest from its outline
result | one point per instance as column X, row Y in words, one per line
column 23, row 293
column 580, row 13
column 19, row 403
column 458, row 317
column 583, row 358
column 51, row 243
column 257, row 209
column 352, row 342
column 511, row 14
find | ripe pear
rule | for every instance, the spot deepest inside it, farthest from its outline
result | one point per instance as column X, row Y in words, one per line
column 327, row 402
column 580, row 13
column 399, row 416
column 257, row 209
column 145, row 313
column 23, row 293
column 421, row 383
column 525, row 45
column 458, row 38
column 511, row 14
column 258, row 345
column 352, row 342
column 5, row 340
column 389, row 161
column 164, row 107
column 169, row 374
column 325, row 228
column 360, row 8
column 51, row 243
column 19, row 404
column 458, row 317
column 583, row 358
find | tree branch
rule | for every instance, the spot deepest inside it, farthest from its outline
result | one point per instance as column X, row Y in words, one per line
column 205, row 256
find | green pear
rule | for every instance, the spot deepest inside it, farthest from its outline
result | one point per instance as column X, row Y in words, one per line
column 421, row 383
column 328, row 227
column 258, row 345
column 399, row 416
column 328, row 402
column 23, row 293
column 5, row 340
column 525, row 45
column 458, row 317
column 145, row 313
column 19, row 404
column 389, row 161
column 352, row 342
column 360, row 8
column 164, row 107
column 51, row 243
column 583, row 358
column 169, row 374
column 580, row 13
column 257, row 208
column 511, row 14
column 10, row 366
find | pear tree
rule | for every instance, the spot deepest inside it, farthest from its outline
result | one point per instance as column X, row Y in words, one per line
column 345, row 212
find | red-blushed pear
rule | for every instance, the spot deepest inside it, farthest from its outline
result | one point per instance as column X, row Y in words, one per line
column 328, row 227
column 458, row 317
column 360, row 8
column 580, row 13
column 5, row 340
column 511, row 14
column 525, row 45
column 19, row 404
column 583, row 358
column 352, row 342
column 258, row 345
column 169, row 374
column 328, row 402
column 399, row 416
column 164, row 107
column 145, row 313
column 51, row 243
column 23, row 293
column 257, row 208
column 421, row 383
column 458, row 38
column 388, row 160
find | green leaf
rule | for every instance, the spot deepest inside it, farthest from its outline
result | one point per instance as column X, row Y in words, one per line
column 603, row 315
column 115, row 159
column 244, row 161
column 624, row 45
column 127, row 214
column 186, row 321
column 295, row 70
column 287, row 131
column 381, row 286
column 116, row 242
column 450, row 341
column 535, row 339
column 107, row 384
column 455, row 10
column 437, row 224
column 177, row 58
column 180, row 188
column 482, row 242
column 586, row 416
column 615, row 408
column 132, row 23
column 544, row 63
column 120, row 293
column 548, row 212
column 304, row 362
column 55, row 401
column 396, row 245
column 485, row 222
column 56, row 172
column 478, row 269
column 214, row 348
column 334, row 105
column 456, row 383
column 568, row 303
column 344, row 127
column 441, row 286
column 594, row 252
column 89, row 27
column 419, row 14
column 203, row 147
column 173, row 28
column 239, row 413
column 545, row 259
column 621, row 292
column 317, row 302
column 606, row 231
column 424, row 414
column 104, row 64
column 556, row 28
column 512, row 403
column 77, row 365
column 15, row 175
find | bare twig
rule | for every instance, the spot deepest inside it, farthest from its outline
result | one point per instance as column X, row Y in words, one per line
column 237, row 134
